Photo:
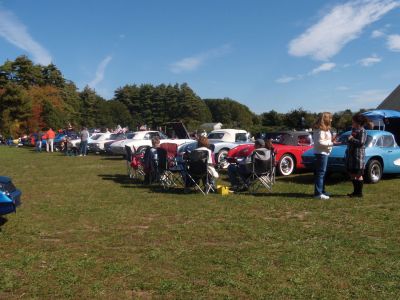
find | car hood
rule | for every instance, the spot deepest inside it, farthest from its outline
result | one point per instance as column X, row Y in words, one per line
column 179, row 129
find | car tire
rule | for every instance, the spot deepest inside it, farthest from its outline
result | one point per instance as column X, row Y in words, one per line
column 373, row 171
column 142, row 149
column 286, row 165
column 221, row 158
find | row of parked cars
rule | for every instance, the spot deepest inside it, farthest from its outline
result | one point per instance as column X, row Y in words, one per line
column 293, row 148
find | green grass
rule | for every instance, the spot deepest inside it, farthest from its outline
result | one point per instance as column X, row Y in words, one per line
column 86, row 231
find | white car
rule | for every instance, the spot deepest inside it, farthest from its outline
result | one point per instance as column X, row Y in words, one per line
column 140, row 140
column 77, row 142
column 224, row 140
column 96, row 142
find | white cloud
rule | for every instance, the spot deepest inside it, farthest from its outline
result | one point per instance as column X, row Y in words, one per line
column 12, row 30
column 377, row 34
column 371, row 98
column 101, row 68
column 194, row 62
column 393, row 42
column 325, row 67
column 285, row 79
column 343, row 23
column 369, row 61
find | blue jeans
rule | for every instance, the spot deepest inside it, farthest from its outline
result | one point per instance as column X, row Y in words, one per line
column 83, row 147
column 320, row 164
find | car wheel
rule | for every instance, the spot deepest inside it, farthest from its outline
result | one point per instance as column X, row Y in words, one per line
column 286, row 165
column 373, row 171
column 142, row 150
column 221, row 158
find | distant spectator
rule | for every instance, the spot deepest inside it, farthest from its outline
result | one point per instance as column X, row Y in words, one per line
column 84, row 141
column 50, row 140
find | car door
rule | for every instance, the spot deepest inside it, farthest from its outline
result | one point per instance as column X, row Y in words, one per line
column 390, row 153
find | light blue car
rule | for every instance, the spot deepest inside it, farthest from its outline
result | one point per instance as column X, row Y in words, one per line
column 382, row 156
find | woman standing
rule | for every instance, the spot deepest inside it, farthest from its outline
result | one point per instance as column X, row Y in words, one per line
column 323, row 143
column 355, row 153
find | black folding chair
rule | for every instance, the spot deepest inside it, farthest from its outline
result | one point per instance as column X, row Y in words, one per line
column 197, row 172
column 263, row 171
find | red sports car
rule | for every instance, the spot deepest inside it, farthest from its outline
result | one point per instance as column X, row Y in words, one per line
column 288, row 146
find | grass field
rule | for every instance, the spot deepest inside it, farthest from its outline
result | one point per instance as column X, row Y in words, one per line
column 86, row 231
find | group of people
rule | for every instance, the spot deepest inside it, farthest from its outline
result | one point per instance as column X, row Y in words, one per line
column 324, row 140
column 355, row 153
column 45, row 137
column 238, row 173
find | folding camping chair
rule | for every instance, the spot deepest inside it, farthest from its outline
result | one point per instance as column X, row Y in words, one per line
column 173, row 172
column 263, row 170
column 134, row 163
column 196, row 172
column 161, row 169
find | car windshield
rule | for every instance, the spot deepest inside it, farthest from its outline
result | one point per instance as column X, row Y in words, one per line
column 96, row 137
column 114, row 136
column 342, row 139
column 284, row 139
column 215, row 135
column 130, row 135
column 241, row 137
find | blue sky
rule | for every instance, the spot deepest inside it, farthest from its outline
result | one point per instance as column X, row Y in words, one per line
column 316, row 54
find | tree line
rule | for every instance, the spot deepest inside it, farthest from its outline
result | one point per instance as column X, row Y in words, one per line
column 33, row 97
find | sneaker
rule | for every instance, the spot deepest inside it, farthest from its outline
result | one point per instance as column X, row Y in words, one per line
column 80, row 154
column 321, row 197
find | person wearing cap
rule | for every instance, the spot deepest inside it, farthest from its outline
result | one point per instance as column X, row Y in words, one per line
column 243, row 170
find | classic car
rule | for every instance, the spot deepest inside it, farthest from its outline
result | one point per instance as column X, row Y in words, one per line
column 288, row 146
column 224, row 140
column 98, row 143
column 382, row 155
column 10, row 196
column 140, row 140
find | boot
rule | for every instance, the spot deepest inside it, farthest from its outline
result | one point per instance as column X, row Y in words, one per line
column 354, row 188
column 359, row 192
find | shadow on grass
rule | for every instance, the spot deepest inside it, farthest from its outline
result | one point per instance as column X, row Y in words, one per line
column 2, row 221
column 113, row 158
column 308, row 178
column 294, row 195
column 122, row 179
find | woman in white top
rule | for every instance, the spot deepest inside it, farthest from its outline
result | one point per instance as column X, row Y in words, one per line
column 323, row 142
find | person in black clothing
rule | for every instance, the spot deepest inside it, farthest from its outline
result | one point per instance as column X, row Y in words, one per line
column 355, row 154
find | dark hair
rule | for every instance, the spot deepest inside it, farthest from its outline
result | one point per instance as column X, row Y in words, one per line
column 361, row 119
column 203, row 142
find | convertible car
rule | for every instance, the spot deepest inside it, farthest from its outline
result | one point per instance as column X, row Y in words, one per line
column 9, row 196
column 288, row 145
column 382, row 155
column 224, row 140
